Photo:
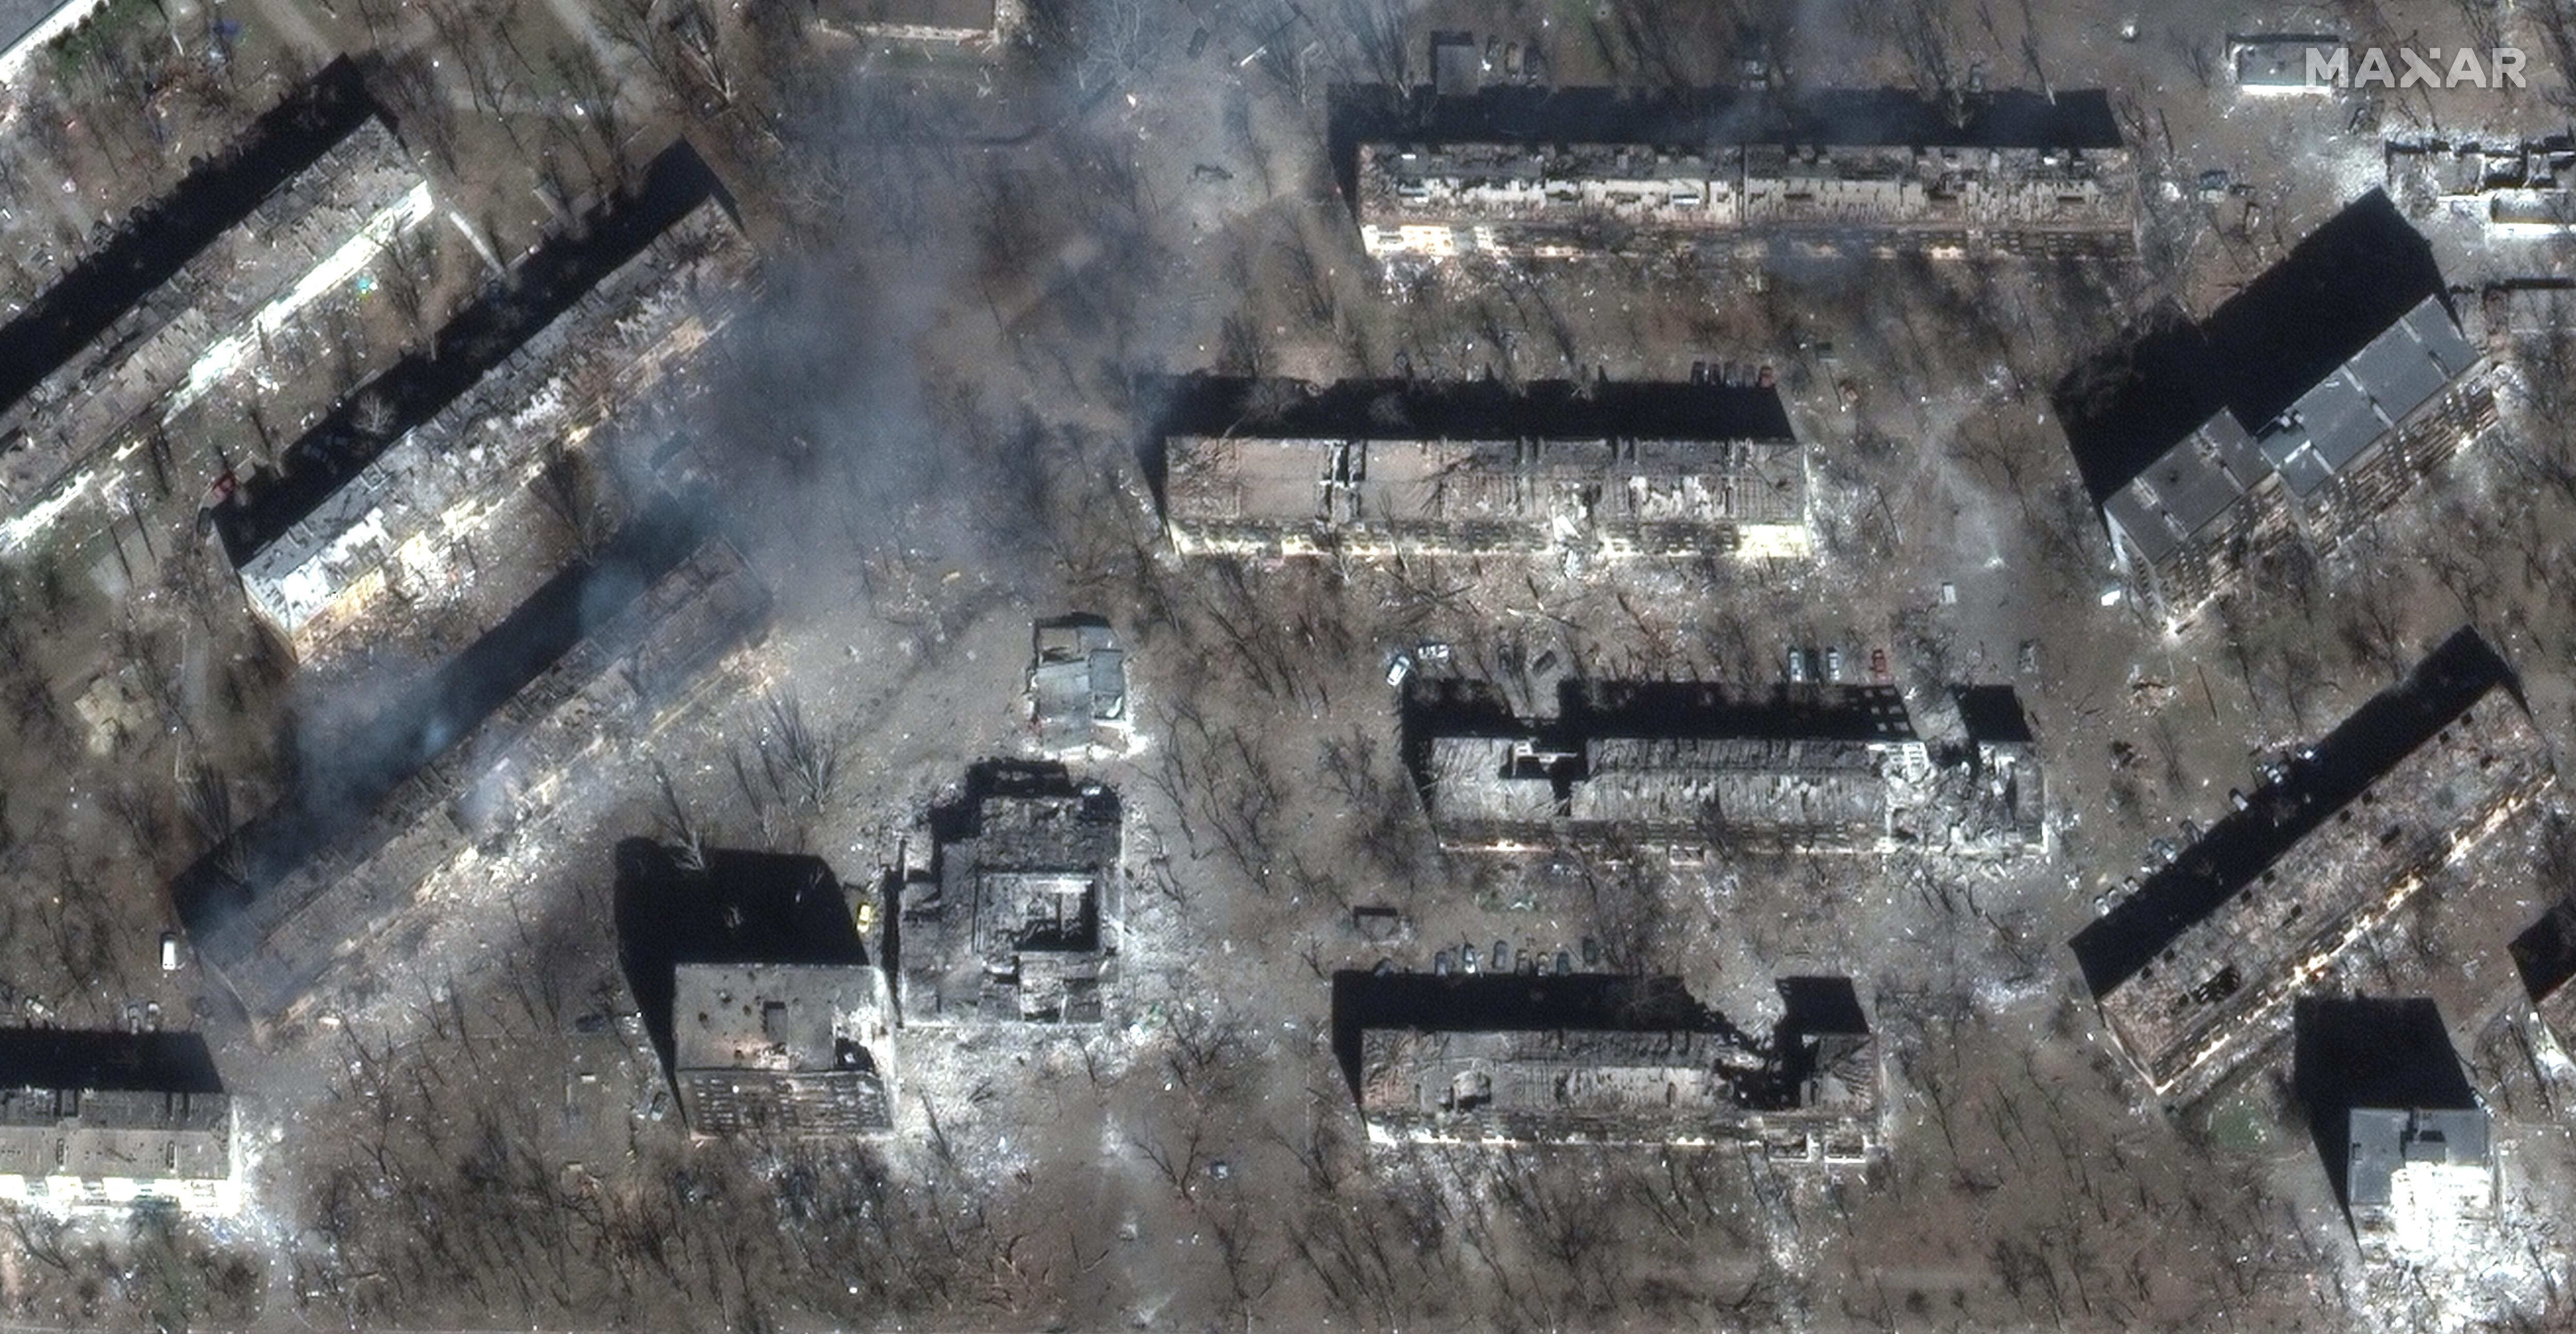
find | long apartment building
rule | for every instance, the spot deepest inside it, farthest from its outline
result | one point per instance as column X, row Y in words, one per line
column 112, row 1120
column 1520, row 175
column 576, row 643
column 466, row 493
column 204, row 287
column 2305, row 405
column 1605, row 1059
column 2196, row 971
column 599, row 653
column 1825, row 768
column 1385, row 467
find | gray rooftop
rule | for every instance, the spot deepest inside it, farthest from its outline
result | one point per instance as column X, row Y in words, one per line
column 2382, row 1139
column 2187, row 487
column 2394, row 374
column 2205, row 475
column 1077, row 685
column 132, row 1133
column 19, row 19
column 786, row 1018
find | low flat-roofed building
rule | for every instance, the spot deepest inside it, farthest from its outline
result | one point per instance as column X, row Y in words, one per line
column 91, row 383
column 2403, row 1135
column 2304, row 407
column 1077, row 686
column 478, row 482
column 1588, row 1058
column 2196, row 971
column 794, row 1049
column 112, row 1120
column 2277, row 64
column 1815, row 767
column 755, row 983
column 1574, row 172
column 2415, row 1170
column 2515, row 189
column 1018, row 920
column 1392, row 467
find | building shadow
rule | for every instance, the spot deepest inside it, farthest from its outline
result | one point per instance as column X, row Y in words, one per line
column 103, row 1061
column 2343, row 285
column 2545, row 955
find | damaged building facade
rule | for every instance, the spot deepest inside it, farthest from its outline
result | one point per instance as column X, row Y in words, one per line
column 294, row 898
column 2196, row 970
column 2303, row 407
column 114, row 1120
column 798, row 1049
column 464, row 495
column 1595, row 1059
column 755, row 983
column 601, row 639
column 231, row 276
column 1700, row 768
column 1377, row 468
column 1017, row 917
column 1586, row 172
column 2513, row 189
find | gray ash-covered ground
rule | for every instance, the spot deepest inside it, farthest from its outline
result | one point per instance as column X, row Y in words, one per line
column 930, row 437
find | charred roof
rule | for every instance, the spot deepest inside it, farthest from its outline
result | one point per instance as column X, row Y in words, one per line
column 156, row 241
column 2378, row 735
column 509, row 312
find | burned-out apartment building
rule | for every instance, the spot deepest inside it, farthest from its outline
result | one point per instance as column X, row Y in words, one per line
column 113, row 1120
column 2303, row 406
column 241, row 271
column 2517, row 189
column 1606, row 1059
column 500, row 487
column 1547, row 174
column 1386, row 467
column 757, row 990
column 937, row 22
column 2195, row 971
column 1706, row 768
column 479, row 746
column 557, row 662
column 1017, row 916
